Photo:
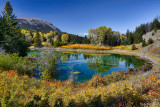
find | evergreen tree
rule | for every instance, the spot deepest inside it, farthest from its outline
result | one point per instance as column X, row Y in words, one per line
column 11, row 38
column 8, row 8
column 126, row 42
column 1, row 31
column 134, row 47
column 144, row 43
column 155, row 25
column 150, row 41
column 130, row 38
column 86, row 40
column 37, row 40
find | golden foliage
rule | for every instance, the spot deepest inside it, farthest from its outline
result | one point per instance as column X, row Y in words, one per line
column 19, row 90
column 84, row 46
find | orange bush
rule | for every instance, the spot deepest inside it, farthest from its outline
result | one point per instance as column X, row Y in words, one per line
column 83, row 46
column 10, row 73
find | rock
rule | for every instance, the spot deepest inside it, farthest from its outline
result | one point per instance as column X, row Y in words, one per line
column 154, row 35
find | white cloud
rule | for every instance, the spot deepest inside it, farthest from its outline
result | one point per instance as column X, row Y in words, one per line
column 82, row 34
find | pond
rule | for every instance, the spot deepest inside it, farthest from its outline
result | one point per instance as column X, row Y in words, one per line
column 81, row 67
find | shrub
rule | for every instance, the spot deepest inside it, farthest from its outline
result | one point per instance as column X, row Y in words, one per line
column 134, row 47
column 57, row 44
column 96, row 81
column 18, row 91
column 84, row 46
column 150, row 41
column 20, row 64
column 62, row 43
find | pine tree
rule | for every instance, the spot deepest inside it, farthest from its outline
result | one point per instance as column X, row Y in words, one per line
column 1, row 31
column 134, row 47
column 144, row 43
column 8, row 8
column 155, row 25
column 12, row 40
column 37, row 40
column 150, row 41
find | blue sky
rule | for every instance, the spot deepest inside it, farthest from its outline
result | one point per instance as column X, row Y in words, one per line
column 78, row 16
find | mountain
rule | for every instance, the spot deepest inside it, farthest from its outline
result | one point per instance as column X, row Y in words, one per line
column 34, row 24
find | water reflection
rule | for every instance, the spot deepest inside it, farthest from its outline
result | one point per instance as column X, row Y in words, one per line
column 103, row 63
column 81, row 67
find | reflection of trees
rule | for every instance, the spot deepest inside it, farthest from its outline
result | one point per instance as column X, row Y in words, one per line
column 65, row 56
column 103, row 63
column 87, row 56
column 76, row 56
column 132, row 60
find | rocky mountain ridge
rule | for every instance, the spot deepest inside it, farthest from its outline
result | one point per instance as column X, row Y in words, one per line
column 34, row 24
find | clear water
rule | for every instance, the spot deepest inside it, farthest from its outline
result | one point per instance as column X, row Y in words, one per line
column 82, row 67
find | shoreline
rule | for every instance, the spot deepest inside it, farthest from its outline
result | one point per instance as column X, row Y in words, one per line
column 151, row 58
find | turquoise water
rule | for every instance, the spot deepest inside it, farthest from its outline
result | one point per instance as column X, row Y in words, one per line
column 82, row 67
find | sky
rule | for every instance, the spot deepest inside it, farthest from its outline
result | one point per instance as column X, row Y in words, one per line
column 78, row 16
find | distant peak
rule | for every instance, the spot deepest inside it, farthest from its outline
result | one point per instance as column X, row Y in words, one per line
column 34, row 24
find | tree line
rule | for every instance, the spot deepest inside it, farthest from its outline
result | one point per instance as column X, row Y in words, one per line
column 136, row 36
column 53, row 38
column 106, row 36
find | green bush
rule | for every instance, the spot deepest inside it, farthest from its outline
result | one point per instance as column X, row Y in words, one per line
column 150, row 41
column 20, row 64
column 134, row 47
column 58, row 44
column 62, row 43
